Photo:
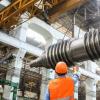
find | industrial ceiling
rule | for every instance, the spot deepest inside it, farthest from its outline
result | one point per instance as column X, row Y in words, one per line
column 85, row 13
column 10, row 16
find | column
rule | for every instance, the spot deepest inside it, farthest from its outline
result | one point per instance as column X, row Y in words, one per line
column 76, row 91
column 44, row 83
column 90, row 89
column 90, row 83
column 17, row 63
column 13, row 73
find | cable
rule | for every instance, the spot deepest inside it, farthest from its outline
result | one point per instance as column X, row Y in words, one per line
column 73, row 22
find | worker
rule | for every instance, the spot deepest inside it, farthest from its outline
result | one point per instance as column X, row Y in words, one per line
column 61, row 88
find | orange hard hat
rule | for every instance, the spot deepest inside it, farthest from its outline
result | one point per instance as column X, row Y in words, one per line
column 61, row 68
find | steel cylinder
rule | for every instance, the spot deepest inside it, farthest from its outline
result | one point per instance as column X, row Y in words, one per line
column 71, row 51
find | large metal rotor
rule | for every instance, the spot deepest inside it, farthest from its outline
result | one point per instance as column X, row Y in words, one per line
column 71, row 51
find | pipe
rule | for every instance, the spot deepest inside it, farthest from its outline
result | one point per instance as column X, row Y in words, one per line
column 71, row 51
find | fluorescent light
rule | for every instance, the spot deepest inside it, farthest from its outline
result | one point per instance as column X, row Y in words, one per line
column 4, row 2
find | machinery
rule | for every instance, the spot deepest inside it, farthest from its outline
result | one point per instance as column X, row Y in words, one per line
column 71, row 51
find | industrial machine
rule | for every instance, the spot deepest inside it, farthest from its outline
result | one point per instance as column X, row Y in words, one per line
column 71, row 51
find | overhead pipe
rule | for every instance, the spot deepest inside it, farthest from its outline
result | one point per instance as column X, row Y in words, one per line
column 71, row 51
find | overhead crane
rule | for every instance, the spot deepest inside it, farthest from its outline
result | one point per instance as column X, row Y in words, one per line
column 10, row 16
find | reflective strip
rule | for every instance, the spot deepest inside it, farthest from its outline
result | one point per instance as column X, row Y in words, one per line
column 66, row 98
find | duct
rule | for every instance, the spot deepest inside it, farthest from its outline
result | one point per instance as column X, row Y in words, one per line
column 71, row 51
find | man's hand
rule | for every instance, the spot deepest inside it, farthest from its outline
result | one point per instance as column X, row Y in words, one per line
column 75, row 69
column 76, row 72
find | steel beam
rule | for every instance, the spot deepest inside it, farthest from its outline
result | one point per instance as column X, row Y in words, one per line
column 89, row 74
column 64, row 6
column 9, row 40
column 10, row 15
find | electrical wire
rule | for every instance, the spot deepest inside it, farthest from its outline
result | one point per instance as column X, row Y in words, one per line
column 75, row 13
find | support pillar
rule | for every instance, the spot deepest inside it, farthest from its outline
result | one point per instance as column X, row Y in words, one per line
column 90, row 89
column 76, row 91
column 13, row 73
column 44, row 84
column 90, row 83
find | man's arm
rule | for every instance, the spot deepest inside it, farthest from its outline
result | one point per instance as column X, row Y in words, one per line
column 76, row 74
column 75, row 78
column 47, row 95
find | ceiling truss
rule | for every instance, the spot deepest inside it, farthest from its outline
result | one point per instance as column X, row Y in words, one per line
column 10, row 16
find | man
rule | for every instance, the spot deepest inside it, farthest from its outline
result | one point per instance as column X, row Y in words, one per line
column 61, row 88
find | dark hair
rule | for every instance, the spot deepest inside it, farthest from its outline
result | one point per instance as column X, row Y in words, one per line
column 59, row 74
